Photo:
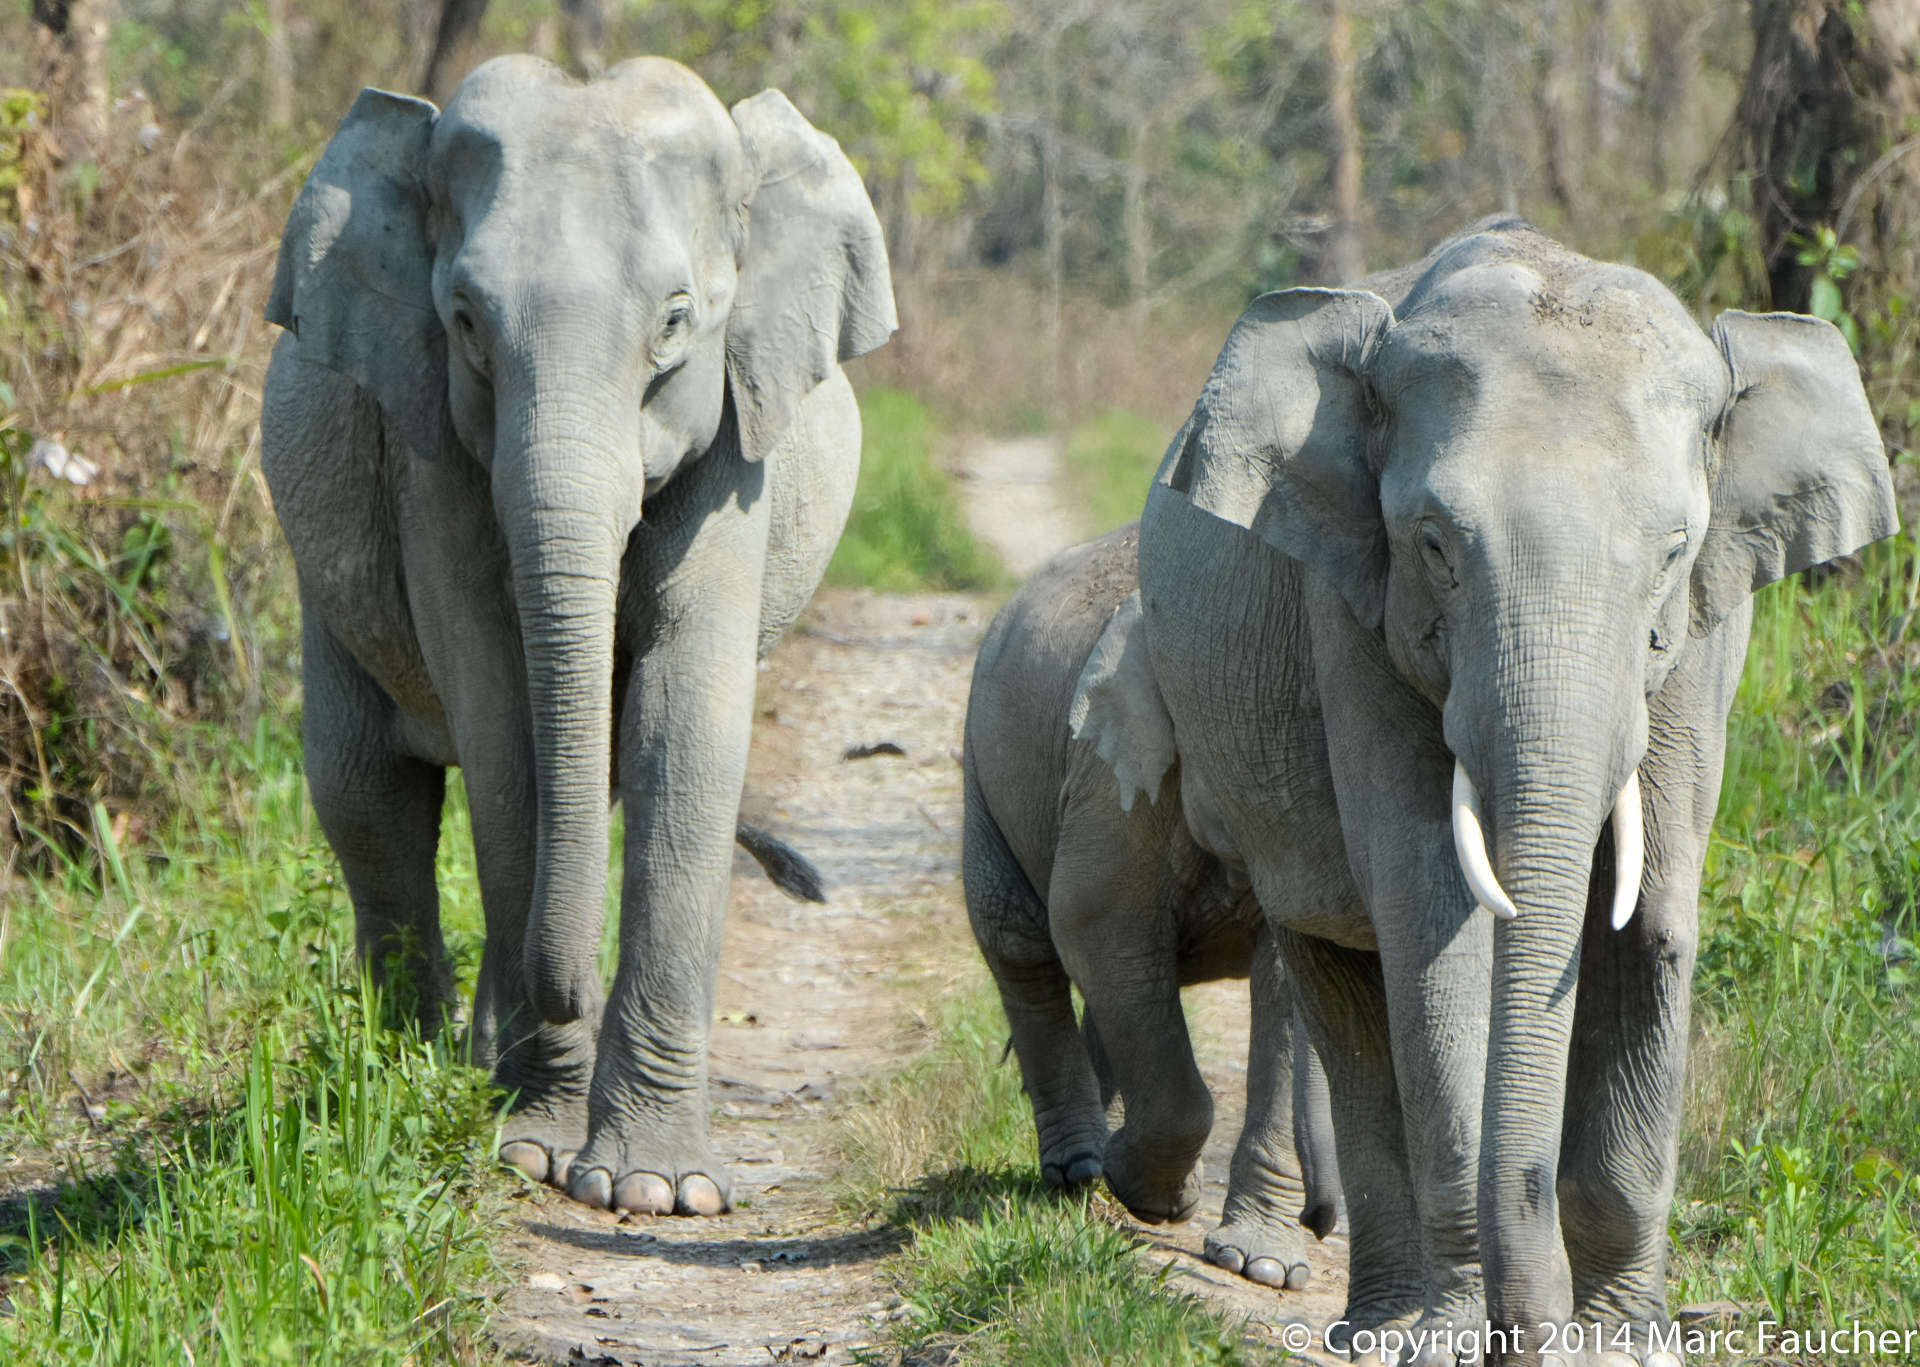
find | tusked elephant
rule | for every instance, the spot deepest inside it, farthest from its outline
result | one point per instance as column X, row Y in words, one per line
column 1064, row 885
column 1446, row 586
column 559, row 438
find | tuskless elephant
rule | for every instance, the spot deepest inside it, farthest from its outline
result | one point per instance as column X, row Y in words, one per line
column 559, row 438
column 1070, row 879
column 1446, row 586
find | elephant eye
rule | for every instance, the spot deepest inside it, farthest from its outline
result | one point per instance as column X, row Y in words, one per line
column 1433, row 555
column 670, row 349
column 470, row 344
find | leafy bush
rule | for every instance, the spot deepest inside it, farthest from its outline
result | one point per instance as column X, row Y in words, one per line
column 907, row 530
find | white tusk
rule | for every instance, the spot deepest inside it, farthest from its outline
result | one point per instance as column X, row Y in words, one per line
column 1470, row 847
column 1629, row 850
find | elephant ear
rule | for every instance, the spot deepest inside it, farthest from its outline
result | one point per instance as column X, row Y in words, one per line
column 1278, row 441
column 1802, row 476
column 814, row 288
column 1117, row 707
column 354, row 281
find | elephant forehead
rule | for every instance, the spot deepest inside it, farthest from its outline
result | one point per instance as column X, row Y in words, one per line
column 521, row 117
column 1594, row 340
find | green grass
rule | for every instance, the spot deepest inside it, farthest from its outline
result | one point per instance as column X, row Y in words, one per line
column 998, row 1270
column 907, row 531
column 226, row 1153
column 1799, row 1185
column 1110, row 460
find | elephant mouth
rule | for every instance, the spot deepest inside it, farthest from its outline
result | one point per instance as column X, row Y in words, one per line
column 1470, row 848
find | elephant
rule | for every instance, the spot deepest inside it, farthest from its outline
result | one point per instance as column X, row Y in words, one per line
column 1064, row 885
column 1446, row 584
column 558, row 434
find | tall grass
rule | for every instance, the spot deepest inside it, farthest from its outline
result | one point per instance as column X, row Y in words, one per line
column 1800, row 1183
column 998, row 1270
column 907, row 530
column 1110, row 460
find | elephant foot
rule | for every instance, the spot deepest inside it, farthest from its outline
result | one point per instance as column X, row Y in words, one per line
column 1155, row 1190
column 638, row 1179
column 1076, row 1170
column 1267, row 1254
column 542, row 1142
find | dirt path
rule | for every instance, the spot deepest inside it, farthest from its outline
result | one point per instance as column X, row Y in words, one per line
column 813, row 1000
column 1015, row 499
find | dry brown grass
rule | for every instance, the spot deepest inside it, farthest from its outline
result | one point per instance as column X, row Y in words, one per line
column 131, row 288
column 973, row 344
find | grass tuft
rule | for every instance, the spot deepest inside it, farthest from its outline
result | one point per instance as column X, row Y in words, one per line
column 1110, row 460
column 907, row 531
column 1001, row 1269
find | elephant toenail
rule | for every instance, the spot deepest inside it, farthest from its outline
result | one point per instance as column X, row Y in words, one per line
column 699, row 1195
column 1228, row 1257
column 1662, row 1360
column 1617, row 1360
column 594, row 1187
column 562, row 1166
column 1082, row 1171
column 1552, row 1360
column 1266, row 1272
column 529, row 1158
column 1298, row 1276
column 644, row 1193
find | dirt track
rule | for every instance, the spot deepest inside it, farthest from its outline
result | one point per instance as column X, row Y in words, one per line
column 814, row 999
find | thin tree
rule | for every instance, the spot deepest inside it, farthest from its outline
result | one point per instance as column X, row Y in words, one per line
column 1345, row 258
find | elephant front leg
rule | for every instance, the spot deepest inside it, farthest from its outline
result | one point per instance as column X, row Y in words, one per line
column 683, row 756
column 1260, row 1234
column 1627, row 1066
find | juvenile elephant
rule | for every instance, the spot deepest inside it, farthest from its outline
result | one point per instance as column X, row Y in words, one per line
column 1447, row 576
column 510, row 327
column 1064, row 883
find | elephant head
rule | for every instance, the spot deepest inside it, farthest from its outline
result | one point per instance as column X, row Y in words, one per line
column 1540, row 483
column 582, row 287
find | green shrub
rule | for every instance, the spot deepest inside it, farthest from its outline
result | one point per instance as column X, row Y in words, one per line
column 1110, row 461
column 907, row 531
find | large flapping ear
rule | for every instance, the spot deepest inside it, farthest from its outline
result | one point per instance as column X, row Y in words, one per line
column 1118, row 710
column 1802, row 477
column 1278, row 441
column 814, row 287
column 355, row 278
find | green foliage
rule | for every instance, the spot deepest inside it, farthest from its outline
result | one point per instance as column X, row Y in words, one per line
column 1801, row 1177
column 1001, row 1270
column 266, row 1169
column 906, row 530
column 1050, row 1283
column 898, row 82
column 1110, row 460
column 19, row 110
column 1830, row 261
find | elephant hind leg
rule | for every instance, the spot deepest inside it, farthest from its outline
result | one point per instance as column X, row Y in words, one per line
column 1010, row 922
column 380, row 810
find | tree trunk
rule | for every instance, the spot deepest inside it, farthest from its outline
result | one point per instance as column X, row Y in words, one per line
column 1051, row 218
column 279, row 66
column 1135, row 224
column 1603, row 127
column 586, row 24
column 1673, row 55
column 1550, row 106
column 452, row 48
column 1826, row 120
column 1345, row 259
column 74, row 71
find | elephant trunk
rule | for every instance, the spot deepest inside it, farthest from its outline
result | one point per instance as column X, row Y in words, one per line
column 1550, row 735
column 567, row 503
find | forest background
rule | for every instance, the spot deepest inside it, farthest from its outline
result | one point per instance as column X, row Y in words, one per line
column 1079, row 197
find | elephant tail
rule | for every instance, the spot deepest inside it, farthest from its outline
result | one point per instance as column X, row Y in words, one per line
column 786, row 868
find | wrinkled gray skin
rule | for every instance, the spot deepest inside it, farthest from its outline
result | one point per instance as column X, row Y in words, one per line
column 514, row 327
column 1064, row 886
column 1506, row 506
